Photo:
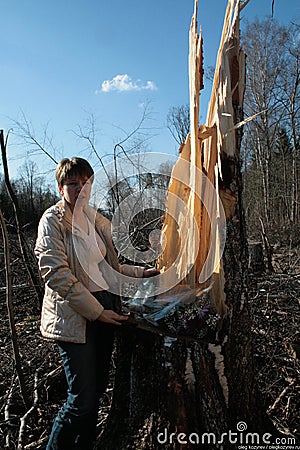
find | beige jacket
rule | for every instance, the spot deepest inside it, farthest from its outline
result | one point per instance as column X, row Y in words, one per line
column 67, row 302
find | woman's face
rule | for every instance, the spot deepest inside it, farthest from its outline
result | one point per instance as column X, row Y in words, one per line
column 76, row 189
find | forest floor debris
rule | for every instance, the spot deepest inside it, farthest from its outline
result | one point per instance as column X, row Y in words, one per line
column 275, row 304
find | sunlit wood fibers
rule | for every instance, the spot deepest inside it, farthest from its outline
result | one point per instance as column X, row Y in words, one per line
column 205, row 148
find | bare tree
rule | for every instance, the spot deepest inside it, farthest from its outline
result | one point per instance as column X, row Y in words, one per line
column 264, row 43
column 290, row 85
column 273, row 93
column 178, row 122
column 25, row 252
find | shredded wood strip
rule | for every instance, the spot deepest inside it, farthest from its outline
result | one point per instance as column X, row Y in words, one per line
column 192, row 225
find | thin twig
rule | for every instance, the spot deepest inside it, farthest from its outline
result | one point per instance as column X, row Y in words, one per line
column 23, row 420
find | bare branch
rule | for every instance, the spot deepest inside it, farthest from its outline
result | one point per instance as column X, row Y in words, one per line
column 25, row 131
column 23, row 421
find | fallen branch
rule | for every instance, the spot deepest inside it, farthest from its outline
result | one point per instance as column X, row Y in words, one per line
column 15, row 286
column 24, row 419
column 280, row 396
column 36, row 444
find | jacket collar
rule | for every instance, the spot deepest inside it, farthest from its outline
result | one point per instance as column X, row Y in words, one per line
column 65, row 215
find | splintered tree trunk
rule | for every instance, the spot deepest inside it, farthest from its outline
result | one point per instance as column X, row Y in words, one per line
column 165, row 387
column 183, row 393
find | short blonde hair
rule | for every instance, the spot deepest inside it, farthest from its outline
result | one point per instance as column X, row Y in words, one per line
column 69, row 167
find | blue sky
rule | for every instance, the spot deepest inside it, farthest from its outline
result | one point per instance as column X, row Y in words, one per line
column 65, row 59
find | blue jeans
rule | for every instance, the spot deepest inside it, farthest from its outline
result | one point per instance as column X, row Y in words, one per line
column 87, row 372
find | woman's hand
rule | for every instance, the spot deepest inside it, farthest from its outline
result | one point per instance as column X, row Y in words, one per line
column 109, row 316
column 150, row 272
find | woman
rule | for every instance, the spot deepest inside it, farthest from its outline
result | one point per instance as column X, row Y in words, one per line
column 78, row 311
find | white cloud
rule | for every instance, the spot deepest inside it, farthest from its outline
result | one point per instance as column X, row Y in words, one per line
column 124, row 82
